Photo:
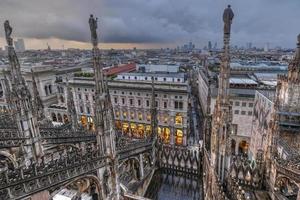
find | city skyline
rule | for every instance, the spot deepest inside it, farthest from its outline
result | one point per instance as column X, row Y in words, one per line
column 150, row 24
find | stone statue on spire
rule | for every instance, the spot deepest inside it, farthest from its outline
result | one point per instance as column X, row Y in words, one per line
column 93, row 28
column 8, row 31
column 227, row 18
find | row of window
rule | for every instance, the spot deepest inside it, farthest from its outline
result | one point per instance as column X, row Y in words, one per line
column 139, row 94
column 177, row 104
column 86, row 97
column 149, row 78
column 141, row 130
column 88, row 110
column 85, row 89
column 237, row 112
column 140, row 116
column 48, row 89
column 243, row 104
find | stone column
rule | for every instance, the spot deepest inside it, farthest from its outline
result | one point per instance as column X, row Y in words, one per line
column 141, row 165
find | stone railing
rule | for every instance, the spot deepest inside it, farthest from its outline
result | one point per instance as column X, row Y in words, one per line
column 179, row 159
column 59, row 136
column 11, row 138
column 288, row 168
column 41, row 175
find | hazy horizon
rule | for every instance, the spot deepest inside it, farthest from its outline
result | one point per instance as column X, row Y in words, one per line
column 150, row 24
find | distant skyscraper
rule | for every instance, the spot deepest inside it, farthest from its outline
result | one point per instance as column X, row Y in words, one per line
column 216, row 45
column 249, row 45
column 209, row 45
column 19, row 45
column 267, row 47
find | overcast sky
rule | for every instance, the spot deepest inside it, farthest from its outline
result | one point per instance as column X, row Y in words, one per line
column 143, row 23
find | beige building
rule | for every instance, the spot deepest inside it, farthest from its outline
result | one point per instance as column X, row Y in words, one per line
column 131, row 98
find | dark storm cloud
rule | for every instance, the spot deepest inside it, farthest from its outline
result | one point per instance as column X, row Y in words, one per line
column 155, row 21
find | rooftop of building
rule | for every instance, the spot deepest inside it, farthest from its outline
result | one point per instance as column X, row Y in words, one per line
column 269, row 94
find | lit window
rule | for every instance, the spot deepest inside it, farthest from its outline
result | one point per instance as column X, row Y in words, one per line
column 125, row 128
column 83, row 121
column 179, row 137
column 118, row 125
column 148, row 117
column 148, row 130
column 132, row 115
column 166, row 135
column 124, row 114
column 140, row 116
column 133, row 129
column 178, row 119
column 141, row 130
column 166, row 119
column 117, row 114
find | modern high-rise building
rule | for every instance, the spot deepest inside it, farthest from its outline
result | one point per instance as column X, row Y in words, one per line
column 19, row 45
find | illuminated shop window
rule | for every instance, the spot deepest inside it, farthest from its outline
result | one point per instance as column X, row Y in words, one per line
column 124, row 114
column 133, row 129
column 140, row 116
column 118, row 125
column 178, row 119
column 166, row 135
column 117, row 114
column 83, row 120
column 141, row 130
column 125, row 128
column 179, row 137
column 148, row 130
column 159, row 133
column 91, row 125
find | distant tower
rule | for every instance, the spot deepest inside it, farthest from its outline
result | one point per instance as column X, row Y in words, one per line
column 22, row 103
column 267, row 47
column 209, row 46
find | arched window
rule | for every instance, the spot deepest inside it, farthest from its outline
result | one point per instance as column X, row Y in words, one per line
column 243, row 147
column 179, row 137
column 166, row 135
column 59, row 117
column 54, row 117
column 50, row 89
column 46, row 90
column 62, row 99
column 178, row 119
column 66, row 119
